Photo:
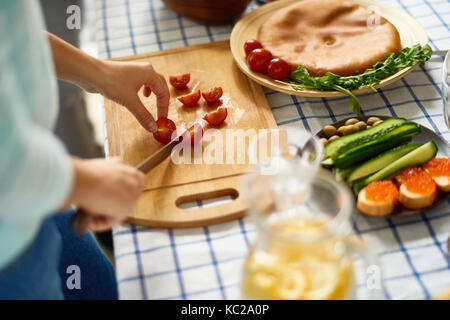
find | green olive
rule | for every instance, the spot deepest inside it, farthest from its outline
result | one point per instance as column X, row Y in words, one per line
column 340, row 130
column 361, row 125
column 324, row 141
column 333, row 138
column 350, row 129
column 378, row 122
column 351, row 121
column 329, row 131
column 372, row 120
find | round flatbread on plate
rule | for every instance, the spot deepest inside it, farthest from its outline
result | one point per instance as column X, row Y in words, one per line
column 323, row 36
column 268, row 16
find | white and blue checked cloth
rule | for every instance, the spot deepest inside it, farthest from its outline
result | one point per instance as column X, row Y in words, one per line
column 206, row 263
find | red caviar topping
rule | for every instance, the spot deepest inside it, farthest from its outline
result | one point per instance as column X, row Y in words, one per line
column 417, row 180
column 438, row 167
column 382, row 191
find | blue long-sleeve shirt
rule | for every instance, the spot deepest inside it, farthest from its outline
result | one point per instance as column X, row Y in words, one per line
column 35, row 172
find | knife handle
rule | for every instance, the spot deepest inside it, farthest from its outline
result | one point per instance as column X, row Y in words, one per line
column 79, row 221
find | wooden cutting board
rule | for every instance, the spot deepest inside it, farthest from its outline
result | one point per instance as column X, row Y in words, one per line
column 169, row 184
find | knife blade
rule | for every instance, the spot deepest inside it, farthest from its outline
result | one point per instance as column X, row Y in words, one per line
column 159, row 156
column 80, row 220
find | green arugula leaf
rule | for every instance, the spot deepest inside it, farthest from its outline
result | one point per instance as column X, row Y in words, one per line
column 300, row 78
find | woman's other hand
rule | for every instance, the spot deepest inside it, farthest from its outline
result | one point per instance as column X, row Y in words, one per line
column 106, row 189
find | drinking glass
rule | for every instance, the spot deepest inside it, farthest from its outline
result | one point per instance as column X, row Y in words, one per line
column 446, row 89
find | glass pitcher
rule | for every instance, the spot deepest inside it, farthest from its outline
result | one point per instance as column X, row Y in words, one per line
column 446, row 89
column 305, row 248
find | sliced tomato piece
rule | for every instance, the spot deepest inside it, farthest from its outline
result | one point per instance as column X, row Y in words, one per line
column 147, row 91
column 194, row 134
column 166, row 128
column 217, row 117
column 191, row 99
column 180, row 81
column 212, row 95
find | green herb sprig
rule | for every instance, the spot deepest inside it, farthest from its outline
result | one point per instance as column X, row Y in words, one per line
column 300, row 78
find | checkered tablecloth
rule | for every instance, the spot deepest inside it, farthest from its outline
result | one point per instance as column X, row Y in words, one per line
column 206, row 263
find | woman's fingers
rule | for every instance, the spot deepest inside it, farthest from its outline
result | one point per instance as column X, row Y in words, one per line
column 116, row 159
column 125, row 79
column 142, row 115
column 100, row 224
column 159, row 87
column 147, row 91
column 162, row 99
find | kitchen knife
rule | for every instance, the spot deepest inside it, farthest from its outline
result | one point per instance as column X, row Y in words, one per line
column 80, row 220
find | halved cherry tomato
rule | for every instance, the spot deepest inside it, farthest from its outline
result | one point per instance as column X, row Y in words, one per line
column 212, row 95
column 181, row 81
column 278, row 69
column 251, row 45
column 147, row 91
column 258, row 60
column 166, row 127
column 217, row 117
column 194, row 134
column 191, row 99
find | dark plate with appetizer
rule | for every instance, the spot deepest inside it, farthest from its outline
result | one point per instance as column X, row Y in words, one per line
column 393, row 166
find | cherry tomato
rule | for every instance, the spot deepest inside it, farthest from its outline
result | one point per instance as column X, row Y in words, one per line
column 212, row 95
column 217, row 117
column 147, row 91
column 251, row 45
column 278, row 69
column 165, row 129
column 258, row 60
column 194, row 134
column 191, row 99
column 181, row 81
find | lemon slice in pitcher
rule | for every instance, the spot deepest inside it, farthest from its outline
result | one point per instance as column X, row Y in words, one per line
column 328, row 280
column 273, row 282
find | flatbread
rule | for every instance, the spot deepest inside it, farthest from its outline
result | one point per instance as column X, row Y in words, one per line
column 329, row 35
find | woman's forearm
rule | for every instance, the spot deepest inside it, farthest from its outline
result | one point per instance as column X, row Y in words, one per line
column 75, row 66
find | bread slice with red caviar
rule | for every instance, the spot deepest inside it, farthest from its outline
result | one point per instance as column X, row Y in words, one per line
column 439, row 169
column 378, row 198
column 417, row 188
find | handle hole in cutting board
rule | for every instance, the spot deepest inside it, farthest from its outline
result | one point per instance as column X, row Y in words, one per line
column 207, row 199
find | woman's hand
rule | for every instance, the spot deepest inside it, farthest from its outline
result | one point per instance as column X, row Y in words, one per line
column 106, row 189
column 117, row 81
column 122, row 81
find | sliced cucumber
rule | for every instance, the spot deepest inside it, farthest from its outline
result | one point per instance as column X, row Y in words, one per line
column 341, row 174
column 406, row 129
column 327, row 162
column 362, row 154
column 344, row 144
column 381, row 161
column 416, row 157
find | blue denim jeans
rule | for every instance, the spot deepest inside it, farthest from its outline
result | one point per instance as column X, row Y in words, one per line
column 55, row 261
